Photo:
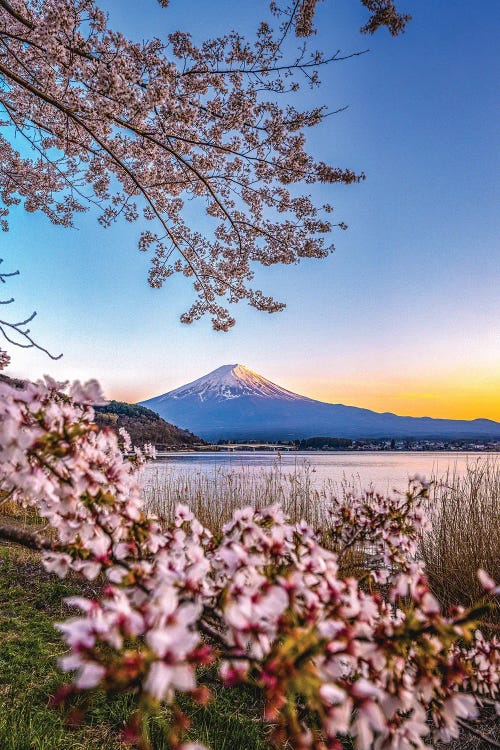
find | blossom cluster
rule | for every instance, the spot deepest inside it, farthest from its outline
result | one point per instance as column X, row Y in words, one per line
column 139, row 129
column 370, row 656
column 4, row 359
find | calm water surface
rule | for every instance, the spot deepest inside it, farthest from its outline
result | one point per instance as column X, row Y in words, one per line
column 384, row 471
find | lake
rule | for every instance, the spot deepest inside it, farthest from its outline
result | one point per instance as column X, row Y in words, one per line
column 383, row 470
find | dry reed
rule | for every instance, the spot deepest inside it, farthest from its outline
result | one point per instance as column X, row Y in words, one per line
column 464, row 533
column 213, row 496
column 464, row 510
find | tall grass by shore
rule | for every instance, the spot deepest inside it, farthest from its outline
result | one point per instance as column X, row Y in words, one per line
column 213, row 496
column 464, row 533
column 464, row 510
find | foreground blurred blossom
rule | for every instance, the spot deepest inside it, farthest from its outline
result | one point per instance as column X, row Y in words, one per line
column 372, row 657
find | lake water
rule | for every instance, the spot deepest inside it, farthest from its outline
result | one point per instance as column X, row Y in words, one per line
column 383, row 470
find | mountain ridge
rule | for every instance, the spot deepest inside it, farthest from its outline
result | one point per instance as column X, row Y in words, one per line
column 234, row 402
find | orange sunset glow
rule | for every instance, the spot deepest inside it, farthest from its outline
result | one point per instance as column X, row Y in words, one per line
column 455, row 400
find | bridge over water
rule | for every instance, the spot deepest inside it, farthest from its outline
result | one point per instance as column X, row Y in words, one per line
column 255, row 447
column 231, row 447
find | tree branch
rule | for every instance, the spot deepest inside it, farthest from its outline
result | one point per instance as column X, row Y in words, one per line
column 29, row 539
column 274, row 68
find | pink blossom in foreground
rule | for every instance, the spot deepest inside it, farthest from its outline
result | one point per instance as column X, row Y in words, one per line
column 266, row 600
column 487, row 582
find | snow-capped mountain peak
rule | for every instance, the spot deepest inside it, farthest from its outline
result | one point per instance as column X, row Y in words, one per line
column 230, row 382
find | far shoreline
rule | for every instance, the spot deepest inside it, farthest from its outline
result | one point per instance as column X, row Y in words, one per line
column 451, row 451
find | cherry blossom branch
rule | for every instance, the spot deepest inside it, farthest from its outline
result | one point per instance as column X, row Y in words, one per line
column 100, row 101
column 72, row 115
column 15, row 14
column 276, row 68
column 29, row 539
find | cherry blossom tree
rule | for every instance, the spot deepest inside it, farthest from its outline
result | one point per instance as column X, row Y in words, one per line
column 136, row 129
column 371, row 657
column 90, row 117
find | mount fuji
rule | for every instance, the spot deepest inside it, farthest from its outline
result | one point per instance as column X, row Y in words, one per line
column 234, row 403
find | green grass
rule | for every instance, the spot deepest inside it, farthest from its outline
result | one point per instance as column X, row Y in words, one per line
column 30, row 602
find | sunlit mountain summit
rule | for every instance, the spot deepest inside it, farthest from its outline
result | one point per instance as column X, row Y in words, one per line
column 233, row 402
column 232, row 381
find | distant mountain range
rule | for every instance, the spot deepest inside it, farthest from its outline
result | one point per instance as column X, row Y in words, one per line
column 234, row 403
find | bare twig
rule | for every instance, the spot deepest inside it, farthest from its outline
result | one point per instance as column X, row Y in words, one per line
column 484, row 737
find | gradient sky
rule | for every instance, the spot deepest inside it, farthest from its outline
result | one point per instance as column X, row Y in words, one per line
column 404, row 317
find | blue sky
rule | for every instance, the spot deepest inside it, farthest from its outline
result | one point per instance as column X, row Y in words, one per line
column 405, row 316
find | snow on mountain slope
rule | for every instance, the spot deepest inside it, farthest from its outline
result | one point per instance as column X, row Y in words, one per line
column 229, row 382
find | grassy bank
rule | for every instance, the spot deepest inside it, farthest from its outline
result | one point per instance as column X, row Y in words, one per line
column 30, row 602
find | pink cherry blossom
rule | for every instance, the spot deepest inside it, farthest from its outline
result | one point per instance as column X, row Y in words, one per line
column 387, row 667
column 487, row 582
